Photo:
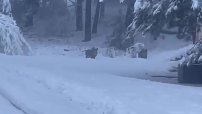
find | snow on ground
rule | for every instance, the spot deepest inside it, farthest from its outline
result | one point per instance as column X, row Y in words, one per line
column 163, row 50
column 73, row 43
column 161, row 53
column 51, row 83
column 33, row 98
column 7, row 108
column 60, row 84
column 170, row 55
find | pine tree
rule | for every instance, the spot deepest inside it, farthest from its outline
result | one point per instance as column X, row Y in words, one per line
column 155, row 16
column 12, row 41
column 194, row 55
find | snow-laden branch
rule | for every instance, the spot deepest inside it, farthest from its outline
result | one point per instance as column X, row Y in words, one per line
column 6, row 6
column 12, row 41
column 121, row 1
column 195, row 4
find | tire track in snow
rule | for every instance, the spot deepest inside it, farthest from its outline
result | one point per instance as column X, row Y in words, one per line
column 30, row 97
column 13, row 104
column 100, row 102
column 8, row 96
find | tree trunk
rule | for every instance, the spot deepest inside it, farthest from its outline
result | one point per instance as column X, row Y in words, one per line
column 194, row 31
column 88, row 21
column 129, row 14
column 79, row 16
column 32, row 8
column 102, row 12
column 96, row 18
column 29, row 20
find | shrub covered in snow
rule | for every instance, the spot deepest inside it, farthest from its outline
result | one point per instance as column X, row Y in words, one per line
column 111, row 52
column 133, row 51
column 12, row 41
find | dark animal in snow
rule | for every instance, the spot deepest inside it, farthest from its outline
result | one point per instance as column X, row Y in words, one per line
column 91, row 53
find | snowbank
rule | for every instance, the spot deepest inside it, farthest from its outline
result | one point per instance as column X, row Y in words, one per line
column 168, row 55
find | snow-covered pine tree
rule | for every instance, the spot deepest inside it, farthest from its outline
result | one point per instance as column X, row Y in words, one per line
column 158, row 16
column 194, row 55
column 12, row 41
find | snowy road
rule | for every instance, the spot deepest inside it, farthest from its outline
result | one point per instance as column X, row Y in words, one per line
column 52, row 85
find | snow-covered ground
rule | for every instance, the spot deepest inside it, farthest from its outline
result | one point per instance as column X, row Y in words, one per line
column 65, row 82
column 51, row 84
column 7, row 108
column 31, row 97
column 57, row 81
